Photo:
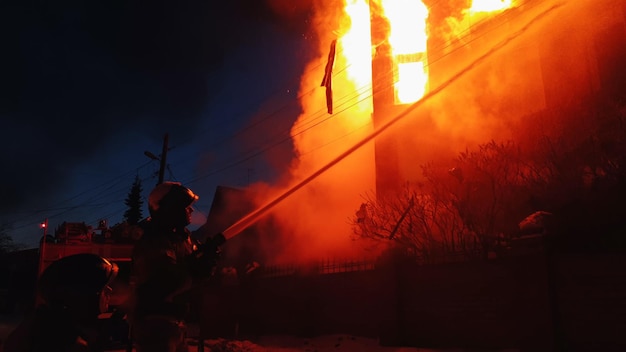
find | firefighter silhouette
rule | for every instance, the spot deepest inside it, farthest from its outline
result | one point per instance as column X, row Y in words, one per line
column 165, row 264
column 73, row 291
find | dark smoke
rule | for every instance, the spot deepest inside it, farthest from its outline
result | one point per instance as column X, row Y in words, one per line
column 77, row 75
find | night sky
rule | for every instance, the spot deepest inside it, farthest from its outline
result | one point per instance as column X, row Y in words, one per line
column 86, row 88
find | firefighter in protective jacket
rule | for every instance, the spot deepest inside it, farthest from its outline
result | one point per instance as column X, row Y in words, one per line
column 73, row 291
column 165, row 264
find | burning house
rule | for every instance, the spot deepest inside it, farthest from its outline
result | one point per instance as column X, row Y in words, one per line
column 438, row 77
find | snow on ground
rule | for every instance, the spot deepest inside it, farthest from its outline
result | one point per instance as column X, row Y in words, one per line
column 280, row 343
column 342, row 343
column 335, row 343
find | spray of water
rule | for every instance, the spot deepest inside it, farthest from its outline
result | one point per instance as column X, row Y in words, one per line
column 254, row 216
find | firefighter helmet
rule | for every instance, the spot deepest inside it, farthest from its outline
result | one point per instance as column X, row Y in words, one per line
column 168, row 196
column 76, row 278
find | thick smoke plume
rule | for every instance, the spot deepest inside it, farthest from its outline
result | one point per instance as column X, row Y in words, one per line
column 524, row 60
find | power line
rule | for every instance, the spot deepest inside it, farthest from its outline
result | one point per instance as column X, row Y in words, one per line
column 106, row 186
column 306, row 123
column 311, row 120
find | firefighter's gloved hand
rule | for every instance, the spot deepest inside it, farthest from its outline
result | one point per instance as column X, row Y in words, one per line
column 206, row 257
column 213, row 244
column 218, row 239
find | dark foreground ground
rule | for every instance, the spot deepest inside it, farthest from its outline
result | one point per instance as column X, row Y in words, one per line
column 275, row 343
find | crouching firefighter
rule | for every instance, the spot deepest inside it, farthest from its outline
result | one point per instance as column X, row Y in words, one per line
column 166, row 263
column 73, row 292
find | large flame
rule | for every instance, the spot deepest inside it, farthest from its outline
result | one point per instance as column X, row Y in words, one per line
column 408, row 38
column 355, row 43
column 314, row 219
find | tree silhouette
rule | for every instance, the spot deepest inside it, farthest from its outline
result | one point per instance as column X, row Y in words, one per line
column 6, row 241
column 134, row 214
column 574, row 171
column 464, row 210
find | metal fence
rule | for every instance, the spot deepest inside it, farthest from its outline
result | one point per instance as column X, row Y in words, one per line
column 327, row 266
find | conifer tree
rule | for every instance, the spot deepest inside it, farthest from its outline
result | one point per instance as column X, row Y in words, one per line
column 6, row 241
column 134, row 202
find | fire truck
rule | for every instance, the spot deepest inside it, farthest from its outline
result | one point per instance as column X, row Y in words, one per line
column 115, row 244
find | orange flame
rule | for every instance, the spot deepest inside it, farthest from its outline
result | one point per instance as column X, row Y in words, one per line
column 314, row 220
column 407, row 37
column 355, row 43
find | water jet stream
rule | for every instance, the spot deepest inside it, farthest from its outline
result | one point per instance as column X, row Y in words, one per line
column 255, row 215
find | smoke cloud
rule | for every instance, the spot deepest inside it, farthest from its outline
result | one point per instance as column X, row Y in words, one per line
column 544, row 59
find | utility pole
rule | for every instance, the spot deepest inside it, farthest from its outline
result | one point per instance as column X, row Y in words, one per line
column 163, row 157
